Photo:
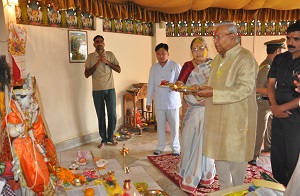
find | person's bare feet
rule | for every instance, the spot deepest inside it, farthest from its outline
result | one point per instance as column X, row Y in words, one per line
column 114, row 143
column 101, row 145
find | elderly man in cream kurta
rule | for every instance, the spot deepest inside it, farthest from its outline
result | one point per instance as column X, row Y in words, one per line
column 231, row 110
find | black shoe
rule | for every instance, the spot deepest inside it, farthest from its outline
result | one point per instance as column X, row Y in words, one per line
column 252, row 162
column 157, row 152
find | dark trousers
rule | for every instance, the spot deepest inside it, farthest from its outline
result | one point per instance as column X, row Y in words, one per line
column 285, row 148
column 102, row 99
column 263, row 132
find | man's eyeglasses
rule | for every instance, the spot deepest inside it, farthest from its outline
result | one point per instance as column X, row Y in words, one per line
column 218, row 37
column 198, row 49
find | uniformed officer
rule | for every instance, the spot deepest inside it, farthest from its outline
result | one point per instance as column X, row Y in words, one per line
column 264, row 116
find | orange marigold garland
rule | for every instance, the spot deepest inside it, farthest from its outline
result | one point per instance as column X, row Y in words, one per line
column 67, row 176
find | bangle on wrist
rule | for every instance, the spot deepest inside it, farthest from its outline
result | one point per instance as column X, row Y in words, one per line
column 299, row 103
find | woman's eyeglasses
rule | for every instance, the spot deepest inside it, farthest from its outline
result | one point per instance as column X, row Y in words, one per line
column 198, row 49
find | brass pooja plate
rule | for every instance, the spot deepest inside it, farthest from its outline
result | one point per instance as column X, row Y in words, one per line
column 184, row 90
column 164, row 86
column 77, row 182
column 154, row 193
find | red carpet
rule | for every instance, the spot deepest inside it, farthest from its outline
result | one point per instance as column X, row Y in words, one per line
column 167, row 164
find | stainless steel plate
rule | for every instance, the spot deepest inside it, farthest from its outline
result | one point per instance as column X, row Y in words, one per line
column 73, row 166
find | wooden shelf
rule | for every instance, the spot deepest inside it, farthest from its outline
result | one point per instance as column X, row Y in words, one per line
column 134, row 101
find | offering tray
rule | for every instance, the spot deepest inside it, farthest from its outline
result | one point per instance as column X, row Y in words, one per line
column 184, row 90
column 77, row 183
column 164, row 86
column 141, row 187
column 101, row 162
column 73, row 166
column 155, row 193
column 81, row 163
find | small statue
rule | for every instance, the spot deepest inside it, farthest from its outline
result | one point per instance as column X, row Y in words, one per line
column 23, row 107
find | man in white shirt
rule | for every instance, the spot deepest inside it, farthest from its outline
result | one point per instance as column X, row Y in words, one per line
column 167, row 102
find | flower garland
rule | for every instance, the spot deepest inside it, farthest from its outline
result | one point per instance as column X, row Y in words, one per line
column 66, row 175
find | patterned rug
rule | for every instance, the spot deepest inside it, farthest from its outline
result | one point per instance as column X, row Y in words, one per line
column 167, row 164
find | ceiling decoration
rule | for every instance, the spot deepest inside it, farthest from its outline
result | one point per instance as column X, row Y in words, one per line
column 182, row 10
column 179, row 6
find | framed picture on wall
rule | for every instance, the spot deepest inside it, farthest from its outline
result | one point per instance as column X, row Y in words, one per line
column 78, row 46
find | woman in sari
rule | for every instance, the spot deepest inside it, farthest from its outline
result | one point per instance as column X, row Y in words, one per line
column 194, row 168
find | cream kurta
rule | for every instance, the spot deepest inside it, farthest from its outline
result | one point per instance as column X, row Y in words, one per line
column 230, row 115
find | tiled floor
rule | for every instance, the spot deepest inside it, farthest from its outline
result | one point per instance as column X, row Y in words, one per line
column 139, row 148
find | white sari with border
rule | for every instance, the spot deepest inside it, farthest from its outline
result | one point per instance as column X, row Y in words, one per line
column 195, row 168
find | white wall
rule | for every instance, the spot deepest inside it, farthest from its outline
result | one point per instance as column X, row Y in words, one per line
column 5, row 10
column 66, row 93
column 260, row 48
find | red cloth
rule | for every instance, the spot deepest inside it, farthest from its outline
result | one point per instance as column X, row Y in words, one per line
column 7, row 171
column 14, row 185
column 187, row 68
column 16, row 73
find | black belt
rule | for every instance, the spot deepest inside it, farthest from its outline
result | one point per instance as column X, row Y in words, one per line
column 262, row 97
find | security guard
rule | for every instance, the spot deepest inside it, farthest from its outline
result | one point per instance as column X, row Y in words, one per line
column 264, row 116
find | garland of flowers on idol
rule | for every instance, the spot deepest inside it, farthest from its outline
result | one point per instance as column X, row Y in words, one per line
column 16, row 165
column 21, row 126
column 27, row 118
column 40, row 104
column 62, row 174
column 38, row 100
column 13, row 130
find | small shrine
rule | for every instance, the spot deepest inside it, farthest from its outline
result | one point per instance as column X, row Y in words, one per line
column 134, row 109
